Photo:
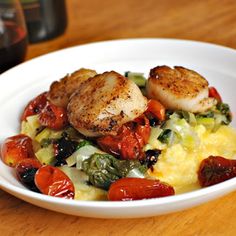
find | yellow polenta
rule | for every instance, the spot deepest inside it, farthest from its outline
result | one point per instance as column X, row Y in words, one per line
column 178, row 165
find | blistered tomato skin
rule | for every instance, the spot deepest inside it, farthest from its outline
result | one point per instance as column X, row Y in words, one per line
column 214, row 94
column 156, row 109
column 53, row 117
column 25, row 171
column 16, row 148
column 52, row 181
column 130, row 140
column 216, row 169
column 35, row 106
column 127, row 189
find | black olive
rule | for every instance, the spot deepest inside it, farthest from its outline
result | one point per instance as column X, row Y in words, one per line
column 26, row 176
column 154, row 122
column 151, row 157
column 61, row 162
column 64, row 147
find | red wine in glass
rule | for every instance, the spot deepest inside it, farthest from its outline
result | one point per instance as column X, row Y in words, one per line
column 13, row 43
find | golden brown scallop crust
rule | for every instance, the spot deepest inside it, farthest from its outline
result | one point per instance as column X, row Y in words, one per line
column 180, row 81
column 60, row 91
column 104, row 103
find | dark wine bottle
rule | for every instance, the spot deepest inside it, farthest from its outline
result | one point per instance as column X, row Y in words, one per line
column 45, row 19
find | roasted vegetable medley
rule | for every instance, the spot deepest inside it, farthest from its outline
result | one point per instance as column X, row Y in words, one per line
column 112, row 137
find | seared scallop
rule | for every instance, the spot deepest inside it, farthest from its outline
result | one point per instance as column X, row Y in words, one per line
column 179, row 89
column 102, row 104
column 60, row 91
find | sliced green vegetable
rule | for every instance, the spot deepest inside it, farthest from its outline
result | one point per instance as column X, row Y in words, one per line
column 207, row 114
column 208, row 122
column 211, row 119
column 225, row 110
column 155, row 133
column 188, row 116
column 181, row 131
column 81, row 154
column 83, row 190
column 168, row 137
column 31, row 126
column 135, row 173
column 46, row 155
column 137, row 78
column 46, row 134
column 45, row 142
column 72, row 134
column 165, row 136
column 77, row 176
column 83, row 143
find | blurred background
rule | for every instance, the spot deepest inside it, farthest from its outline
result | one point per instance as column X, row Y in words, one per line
column 211, row 21
column 58, row 24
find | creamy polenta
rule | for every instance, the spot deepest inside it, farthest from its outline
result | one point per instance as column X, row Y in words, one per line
column 178, row 165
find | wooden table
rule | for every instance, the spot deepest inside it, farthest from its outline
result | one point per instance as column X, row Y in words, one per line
column 94, row 20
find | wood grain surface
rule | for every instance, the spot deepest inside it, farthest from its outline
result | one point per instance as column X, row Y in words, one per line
column 95, row 20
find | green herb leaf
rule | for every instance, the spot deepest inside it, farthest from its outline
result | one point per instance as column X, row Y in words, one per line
column 83, row 143
column 104, row 169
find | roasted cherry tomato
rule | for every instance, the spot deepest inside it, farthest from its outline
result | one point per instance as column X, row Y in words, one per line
column 52, row 181
column 216, row 169
column 214, row 94
column 25, row 171
column 16, row 148
column 35, row 106
column 126, row 189
column 128, row 145
column 129, row 141
column 53, row 117
column 142, row 129
column 156, row 109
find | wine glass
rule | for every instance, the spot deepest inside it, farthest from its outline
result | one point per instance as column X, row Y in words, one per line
column 13, row 34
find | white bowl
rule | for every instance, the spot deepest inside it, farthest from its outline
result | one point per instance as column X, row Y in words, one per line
column 22, row 83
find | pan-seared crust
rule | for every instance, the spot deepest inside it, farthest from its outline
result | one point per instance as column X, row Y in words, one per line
column 60, row 91
column 179, row 88
column 180, row 81
column 104, row 103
